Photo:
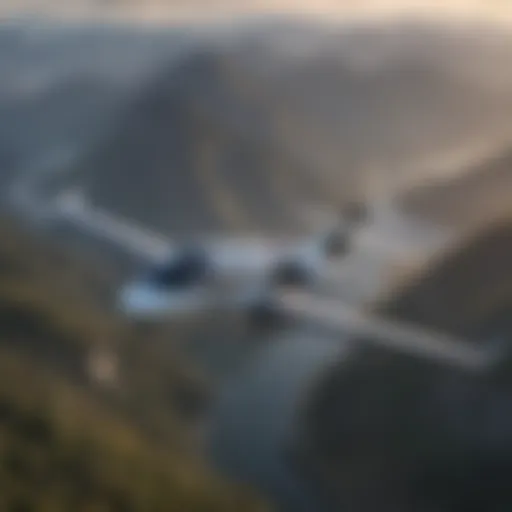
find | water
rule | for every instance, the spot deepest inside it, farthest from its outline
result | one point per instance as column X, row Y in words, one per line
column 254, row 418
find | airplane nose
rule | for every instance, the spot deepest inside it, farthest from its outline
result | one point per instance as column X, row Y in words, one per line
column 142, row 300
column 125, row 299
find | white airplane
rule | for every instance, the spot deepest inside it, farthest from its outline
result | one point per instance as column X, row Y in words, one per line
column 233, row 273
column 246, row 274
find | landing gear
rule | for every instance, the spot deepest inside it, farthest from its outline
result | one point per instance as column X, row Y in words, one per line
column 290, row 273
column 264, row 315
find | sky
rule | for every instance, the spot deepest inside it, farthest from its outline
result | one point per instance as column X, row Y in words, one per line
column 168, row 10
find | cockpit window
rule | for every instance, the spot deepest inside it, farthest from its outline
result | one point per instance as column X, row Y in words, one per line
column 184, row 270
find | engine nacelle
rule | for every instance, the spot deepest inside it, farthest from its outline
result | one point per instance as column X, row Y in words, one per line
column 336, row 244
column 189, row 267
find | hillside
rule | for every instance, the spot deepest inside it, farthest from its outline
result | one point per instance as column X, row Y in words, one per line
column 74, row 441
column 61, row 451
column 392, row 432
column 465, row 290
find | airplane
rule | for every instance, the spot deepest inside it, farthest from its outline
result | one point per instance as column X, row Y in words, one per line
column 235, row 273
column 246, row 274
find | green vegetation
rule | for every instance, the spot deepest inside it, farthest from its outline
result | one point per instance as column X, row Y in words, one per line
column 67, row 443
column 60, row 451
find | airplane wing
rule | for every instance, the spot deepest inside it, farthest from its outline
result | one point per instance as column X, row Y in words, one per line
column 384, row 230
column 335, row 315
column 72, row 205
column 236, row 253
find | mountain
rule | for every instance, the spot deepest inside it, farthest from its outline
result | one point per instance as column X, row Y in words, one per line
column 474, row 198
column 243, row 129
